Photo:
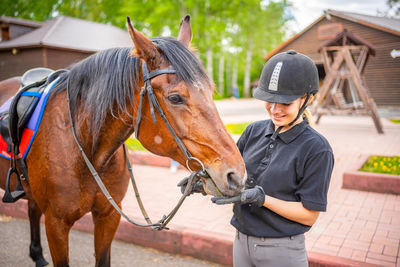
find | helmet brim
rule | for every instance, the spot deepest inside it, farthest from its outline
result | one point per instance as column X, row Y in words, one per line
column 274, row 98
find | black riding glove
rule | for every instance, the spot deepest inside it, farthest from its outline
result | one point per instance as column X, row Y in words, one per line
column 254, row 195
column 197, row 187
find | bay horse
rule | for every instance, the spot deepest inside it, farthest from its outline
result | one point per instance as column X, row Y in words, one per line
column 104, row 94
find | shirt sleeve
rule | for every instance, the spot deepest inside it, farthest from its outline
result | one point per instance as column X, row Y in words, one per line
column 241, row 143
column 313, row 186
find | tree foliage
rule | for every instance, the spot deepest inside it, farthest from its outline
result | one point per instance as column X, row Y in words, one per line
column 394, row 5
column 227, row 29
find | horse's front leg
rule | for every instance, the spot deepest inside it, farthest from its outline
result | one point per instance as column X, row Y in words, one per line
column 105, row 226
column 57, row 231
column 35, row 249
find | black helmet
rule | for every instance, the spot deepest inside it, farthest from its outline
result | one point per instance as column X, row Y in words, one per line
column 286, row 77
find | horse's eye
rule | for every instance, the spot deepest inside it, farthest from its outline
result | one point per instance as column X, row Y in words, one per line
column 176, row 99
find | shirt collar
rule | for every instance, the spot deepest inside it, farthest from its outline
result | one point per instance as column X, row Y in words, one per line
column 290, row 134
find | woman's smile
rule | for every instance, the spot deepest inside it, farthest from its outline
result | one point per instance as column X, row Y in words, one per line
column 278, row 117
column 284, row 113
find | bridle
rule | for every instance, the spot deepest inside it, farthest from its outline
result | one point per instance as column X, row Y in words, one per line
column 153, row 102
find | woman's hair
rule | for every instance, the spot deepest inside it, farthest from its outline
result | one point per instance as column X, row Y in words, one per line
column 307, row 113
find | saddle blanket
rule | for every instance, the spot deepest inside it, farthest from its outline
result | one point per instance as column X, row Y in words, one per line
column 32, row 126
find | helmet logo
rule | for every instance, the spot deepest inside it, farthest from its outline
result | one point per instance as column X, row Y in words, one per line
column 273, row 83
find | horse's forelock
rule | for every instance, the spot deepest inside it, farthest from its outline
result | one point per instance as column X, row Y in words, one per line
column 183, row 60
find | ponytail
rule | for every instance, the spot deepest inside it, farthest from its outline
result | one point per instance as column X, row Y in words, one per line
column 307, row 116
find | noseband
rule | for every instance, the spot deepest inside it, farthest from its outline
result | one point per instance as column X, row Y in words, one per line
column 153, row 102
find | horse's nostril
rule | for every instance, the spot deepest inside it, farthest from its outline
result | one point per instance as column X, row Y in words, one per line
column 233, row 181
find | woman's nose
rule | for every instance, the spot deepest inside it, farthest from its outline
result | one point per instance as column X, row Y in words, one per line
column 273, row 107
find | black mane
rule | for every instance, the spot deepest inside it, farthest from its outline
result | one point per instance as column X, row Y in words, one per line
column 103, row 82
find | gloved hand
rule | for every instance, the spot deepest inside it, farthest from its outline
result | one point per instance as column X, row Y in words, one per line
column 197, row 187
column 254, row 195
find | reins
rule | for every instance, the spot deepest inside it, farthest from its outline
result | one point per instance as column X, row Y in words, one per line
column 193, row 178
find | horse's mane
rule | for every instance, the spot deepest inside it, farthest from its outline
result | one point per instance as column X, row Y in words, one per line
column 103, row 82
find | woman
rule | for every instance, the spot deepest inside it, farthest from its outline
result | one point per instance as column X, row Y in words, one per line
column 289, row 166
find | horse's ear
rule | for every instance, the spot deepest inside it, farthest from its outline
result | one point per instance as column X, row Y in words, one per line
column 185, row 31
column 144, row 46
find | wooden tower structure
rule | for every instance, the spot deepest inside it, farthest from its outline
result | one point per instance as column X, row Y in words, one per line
column 344, row 90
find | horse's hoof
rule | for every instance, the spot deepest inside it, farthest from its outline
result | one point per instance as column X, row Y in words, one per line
column 42, row 263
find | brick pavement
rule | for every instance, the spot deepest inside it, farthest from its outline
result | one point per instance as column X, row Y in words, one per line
column 363, row 226
column 358, row 226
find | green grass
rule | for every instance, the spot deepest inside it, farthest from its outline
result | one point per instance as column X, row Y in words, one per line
column 236, row 128
column 233, row 128
column 395, row 120
column 134, row 144
column 382, row 164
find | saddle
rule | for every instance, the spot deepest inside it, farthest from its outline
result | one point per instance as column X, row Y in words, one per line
column 14, row 119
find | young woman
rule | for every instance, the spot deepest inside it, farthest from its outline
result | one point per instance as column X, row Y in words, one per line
column 289, row 166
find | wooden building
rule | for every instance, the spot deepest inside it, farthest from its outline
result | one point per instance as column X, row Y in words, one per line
column 55, row 44
column 382, row 72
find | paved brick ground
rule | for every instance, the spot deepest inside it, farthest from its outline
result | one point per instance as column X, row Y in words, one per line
column 360, row 226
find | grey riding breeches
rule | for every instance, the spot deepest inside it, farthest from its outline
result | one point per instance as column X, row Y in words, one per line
column 251, row 251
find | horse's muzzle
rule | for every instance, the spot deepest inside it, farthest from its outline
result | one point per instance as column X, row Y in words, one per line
column 229, row 184
column 235, row 182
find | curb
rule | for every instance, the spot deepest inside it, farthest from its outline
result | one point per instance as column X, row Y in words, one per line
column 370, row 182
column 148, row 158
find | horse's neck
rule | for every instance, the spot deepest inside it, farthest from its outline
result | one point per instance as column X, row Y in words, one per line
column 113, row 134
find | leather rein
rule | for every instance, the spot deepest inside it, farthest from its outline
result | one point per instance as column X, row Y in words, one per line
column 153, row 102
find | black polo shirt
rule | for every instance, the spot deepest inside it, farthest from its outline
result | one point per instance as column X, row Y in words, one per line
column 297, row 166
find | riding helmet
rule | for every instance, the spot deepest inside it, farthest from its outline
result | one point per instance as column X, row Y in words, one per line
column 286, row 77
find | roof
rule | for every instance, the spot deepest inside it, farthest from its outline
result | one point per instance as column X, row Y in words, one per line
column 18, row 21
column 386, row 24
column 391, row 25
column 71, row 33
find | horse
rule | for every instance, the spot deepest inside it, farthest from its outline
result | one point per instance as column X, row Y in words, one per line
column 100, row 96
column 8, row 88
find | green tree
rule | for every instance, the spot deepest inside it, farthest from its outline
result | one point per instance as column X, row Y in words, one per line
column 27, row 9
column 394, row 5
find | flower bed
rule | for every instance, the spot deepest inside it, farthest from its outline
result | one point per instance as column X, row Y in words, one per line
column 369, row 181
column 382, row 164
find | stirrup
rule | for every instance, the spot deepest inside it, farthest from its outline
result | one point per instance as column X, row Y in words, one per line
column 11, row 197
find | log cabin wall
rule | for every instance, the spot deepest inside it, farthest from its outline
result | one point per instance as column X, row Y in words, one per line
column 24, row 59
column 15, row 64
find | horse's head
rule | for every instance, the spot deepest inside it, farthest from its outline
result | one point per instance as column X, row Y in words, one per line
column 186, row 99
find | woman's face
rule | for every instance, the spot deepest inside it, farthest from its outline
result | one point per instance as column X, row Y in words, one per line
column 283, row 114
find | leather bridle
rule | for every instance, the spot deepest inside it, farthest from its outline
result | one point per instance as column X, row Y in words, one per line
column 153, row 102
